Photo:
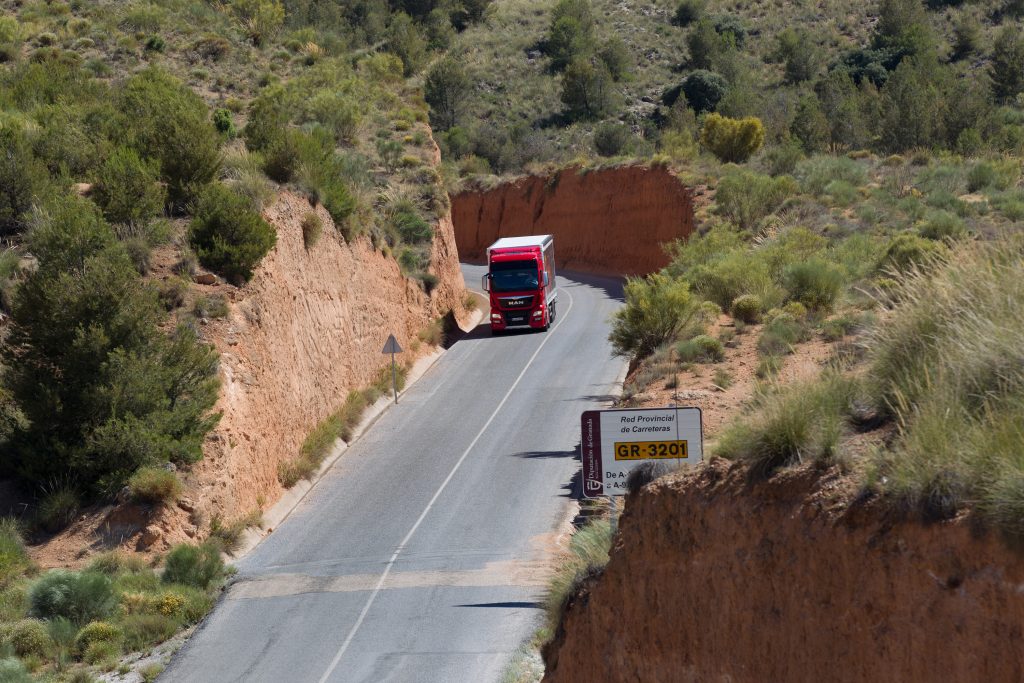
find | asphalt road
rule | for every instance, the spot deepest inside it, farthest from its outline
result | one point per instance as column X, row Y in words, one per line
column 421, row 555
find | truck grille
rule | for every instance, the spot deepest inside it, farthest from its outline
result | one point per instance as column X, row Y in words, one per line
column 516, row 302
column 517, row 317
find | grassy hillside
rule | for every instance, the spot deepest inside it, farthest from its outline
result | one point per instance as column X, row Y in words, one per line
column 814, row 74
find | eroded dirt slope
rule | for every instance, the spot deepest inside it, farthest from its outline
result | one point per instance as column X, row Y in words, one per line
column 307, row 329
column 714, row 578
column 608, row 220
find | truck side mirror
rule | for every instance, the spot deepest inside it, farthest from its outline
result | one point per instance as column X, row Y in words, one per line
column 485, row 283
column 545, row 278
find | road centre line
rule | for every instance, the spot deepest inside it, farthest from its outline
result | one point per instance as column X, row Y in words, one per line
column 401, row 546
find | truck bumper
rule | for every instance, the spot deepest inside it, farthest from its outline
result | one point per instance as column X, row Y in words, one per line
column 518, row 320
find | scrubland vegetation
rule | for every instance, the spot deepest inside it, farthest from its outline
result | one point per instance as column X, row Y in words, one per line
column 553, row 83
column 65, row 625
column 140, row 141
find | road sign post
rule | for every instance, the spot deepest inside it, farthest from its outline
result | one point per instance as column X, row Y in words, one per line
column 615, row 441
column 391, row 346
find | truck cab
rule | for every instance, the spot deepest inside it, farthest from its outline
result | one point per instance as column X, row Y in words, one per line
column 520, row 281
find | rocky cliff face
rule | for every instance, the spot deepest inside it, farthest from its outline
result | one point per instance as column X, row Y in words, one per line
column 713, row 578
column 611, row 220
column 304, row 332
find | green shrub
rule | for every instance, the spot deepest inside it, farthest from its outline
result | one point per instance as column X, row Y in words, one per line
column 14, row 559
column 23, row 180
column 1007, row 66
column 946, row 367
column 164, row 120
column 411, row 227
column 815, row 283
column 588, row 554
column 942, row 225
column 124, row 394
column 657, row 309
column 722, row 378
column 29, row 637
column 571, row 32
column 587, row 91
column 768, row 366
column 732, row 140
column 101, row 652
column 117, row 562
column 746, row 197
column 154, row 485
column 704, row 90
column 312, row 228
column 746, row 307
column 224, row 123
column 818, row 172
column 997, row 175
column 732, row 275
column 98, row 631
column 835, row 329
column 58, row 508
column 801, row 423
column 172, row 292
column 79, row 596
column 142, row 631
column 447, row 89
column 139, row 252
column 611, row 139
column 13, row 671
column 228, row 236
column 907, row 250
column 212, row 306
column 701, row 349
column 687, row 12
column 191, row 565
column 780, row 334
column 229, row 534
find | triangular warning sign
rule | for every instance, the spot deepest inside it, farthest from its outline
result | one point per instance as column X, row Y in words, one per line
column 391, row 345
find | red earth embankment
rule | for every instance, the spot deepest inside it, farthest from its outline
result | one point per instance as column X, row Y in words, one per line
column 610, row 220
column 716, row 579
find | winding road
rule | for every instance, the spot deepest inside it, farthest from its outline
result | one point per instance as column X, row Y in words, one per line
column 422, row 555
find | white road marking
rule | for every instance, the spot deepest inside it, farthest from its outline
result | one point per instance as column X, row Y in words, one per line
column 401, row 546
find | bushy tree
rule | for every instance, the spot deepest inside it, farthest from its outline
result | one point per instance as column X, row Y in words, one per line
column 405, row 41
column 657, row 308
column 809, row 124
column 127, row 190
column 587, row 90
column 571, row 35
column 967, row 38
column 847, row 108
column 687, row 12
column 446, row 90
column 227, row 235
column 732, row 140
column 796, row 50
column 616, row 58
column 913, row 106
column 1007, row 65
column 704, row 90
column 102, row 388
column 705, row 44
column 903, row 27
column 611, row 138
column 23, row 179
column 165, row 121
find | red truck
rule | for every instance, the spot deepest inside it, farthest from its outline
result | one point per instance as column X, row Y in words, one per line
column 521, row 281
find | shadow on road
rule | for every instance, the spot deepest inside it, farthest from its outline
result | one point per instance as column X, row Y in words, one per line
column 537, row 455
column 519, row 605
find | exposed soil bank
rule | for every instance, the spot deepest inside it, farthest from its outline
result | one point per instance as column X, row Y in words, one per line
column 607, row 220
column 716, row 579
column 307, row 329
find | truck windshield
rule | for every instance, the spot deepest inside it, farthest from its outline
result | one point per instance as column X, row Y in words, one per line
column 513, row 276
